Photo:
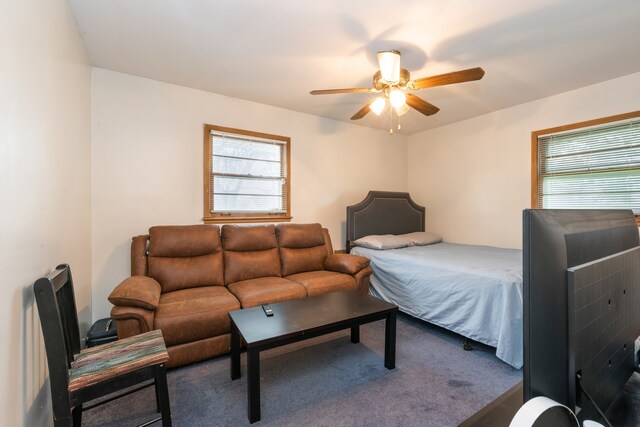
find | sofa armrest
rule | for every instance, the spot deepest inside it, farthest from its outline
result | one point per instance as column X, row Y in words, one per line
column 363, row 279
column 132, row 320
column 137, row 291
column 346, row 263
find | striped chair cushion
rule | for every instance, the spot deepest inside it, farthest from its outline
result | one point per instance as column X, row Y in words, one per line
column 96, row 364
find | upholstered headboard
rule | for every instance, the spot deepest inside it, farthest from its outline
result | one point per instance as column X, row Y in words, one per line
column 384, row 212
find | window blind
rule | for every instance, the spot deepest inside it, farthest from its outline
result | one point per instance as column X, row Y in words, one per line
column 595, row 168
column 248, row 174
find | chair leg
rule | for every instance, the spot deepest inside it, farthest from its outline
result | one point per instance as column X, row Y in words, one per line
column 162, row 395
column 157, row 390
column 63, row 422
column 63, row 416
column 76, row 414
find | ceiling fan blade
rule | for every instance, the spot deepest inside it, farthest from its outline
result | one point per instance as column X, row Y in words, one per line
column 421, row 105
column 361, row 113
column 448, row 78
column 349, row 90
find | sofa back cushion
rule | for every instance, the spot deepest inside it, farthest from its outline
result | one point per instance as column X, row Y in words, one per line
column 185, row 256
column 250, row 252
column 302, row 248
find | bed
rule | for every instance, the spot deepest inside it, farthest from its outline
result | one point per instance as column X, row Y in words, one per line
column 475, row 291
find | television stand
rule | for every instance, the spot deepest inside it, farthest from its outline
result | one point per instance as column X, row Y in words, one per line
column 500, row 412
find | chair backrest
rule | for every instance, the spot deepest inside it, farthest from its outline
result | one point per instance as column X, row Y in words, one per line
column 59, row 320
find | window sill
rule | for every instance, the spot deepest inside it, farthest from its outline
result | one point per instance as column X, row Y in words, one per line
column 222, row 219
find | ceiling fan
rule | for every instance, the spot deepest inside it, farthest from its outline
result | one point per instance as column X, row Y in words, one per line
column 394, row 84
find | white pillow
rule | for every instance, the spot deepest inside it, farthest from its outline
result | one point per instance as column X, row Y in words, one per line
column 422, row 238
column 385, row 241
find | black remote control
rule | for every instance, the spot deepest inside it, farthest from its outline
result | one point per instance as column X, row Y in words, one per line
column 267, row 310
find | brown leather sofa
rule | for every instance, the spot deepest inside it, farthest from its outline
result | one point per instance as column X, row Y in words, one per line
column 185, row 280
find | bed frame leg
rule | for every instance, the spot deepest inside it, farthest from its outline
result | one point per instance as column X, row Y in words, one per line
column 466, row 345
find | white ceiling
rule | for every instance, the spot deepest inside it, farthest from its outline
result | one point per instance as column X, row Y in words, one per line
column 275, row 51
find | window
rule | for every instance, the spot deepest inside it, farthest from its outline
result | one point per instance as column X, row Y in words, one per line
column 246, row 176
column 594, row 164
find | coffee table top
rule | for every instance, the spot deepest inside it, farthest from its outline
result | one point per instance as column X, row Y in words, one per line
column 298, row 317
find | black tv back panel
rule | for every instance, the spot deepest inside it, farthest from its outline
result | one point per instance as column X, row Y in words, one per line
column 553, row 241
column 603, row 297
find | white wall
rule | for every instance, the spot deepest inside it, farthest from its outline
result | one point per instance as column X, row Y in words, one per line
column 474, row 176
column 45, row 211
column 147, row 149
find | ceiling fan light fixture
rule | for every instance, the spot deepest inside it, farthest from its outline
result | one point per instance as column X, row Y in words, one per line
column 389, row 62
column 397, row 98
column 394, row 84
column 378, row 105
column 402, row 110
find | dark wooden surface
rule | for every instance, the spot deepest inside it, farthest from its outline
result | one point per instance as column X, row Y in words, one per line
column 500, row 412
column 299, row 320
column 624, row 412
column 306, row 316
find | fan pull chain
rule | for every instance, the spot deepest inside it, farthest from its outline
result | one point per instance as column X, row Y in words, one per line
column 391, row 121
column 392, row 126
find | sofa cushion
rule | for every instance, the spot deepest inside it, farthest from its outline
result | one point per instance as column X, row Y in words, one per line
column 184, row 240
column 193, row 314
column 304, row 259
column 248, row 238
column 302, row 248
column 321, row 282
column 182, row 257
column 266, row 290
column 250, row 252
column 300, row 235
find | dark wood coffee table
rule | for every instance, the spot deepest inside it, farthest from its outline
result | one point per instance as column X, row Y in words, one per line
column 300, row 320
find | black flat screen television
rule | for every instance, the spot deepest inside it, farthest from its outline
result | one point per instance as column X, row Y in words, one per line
column 581, row 276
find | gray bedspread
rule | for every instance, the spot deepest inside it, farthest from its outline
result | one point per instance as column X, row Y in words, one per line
column 475, row 291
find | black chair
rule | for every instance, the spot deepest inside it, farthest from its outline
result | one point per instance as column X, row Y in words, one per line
column 79, row 376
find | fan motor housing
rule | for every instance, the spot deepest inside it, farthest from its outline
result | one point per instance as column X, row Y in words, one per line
column 380, row 84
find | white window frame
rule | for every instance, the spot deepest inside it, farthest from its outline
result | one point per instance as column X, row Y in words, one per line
column 211, row 215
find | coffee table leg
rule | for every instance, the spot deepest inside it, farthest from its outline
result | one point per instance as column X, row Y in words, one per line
column 355, row 334
column 390, row 341
column 253, row 385
column 235, row 352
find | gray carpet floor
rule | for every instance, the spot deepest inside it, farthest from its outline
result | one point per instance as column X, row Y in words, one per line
column 328, row 381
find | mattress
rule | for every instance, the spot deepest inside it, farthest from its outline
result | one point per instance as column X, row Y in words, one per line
column 475, row 291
